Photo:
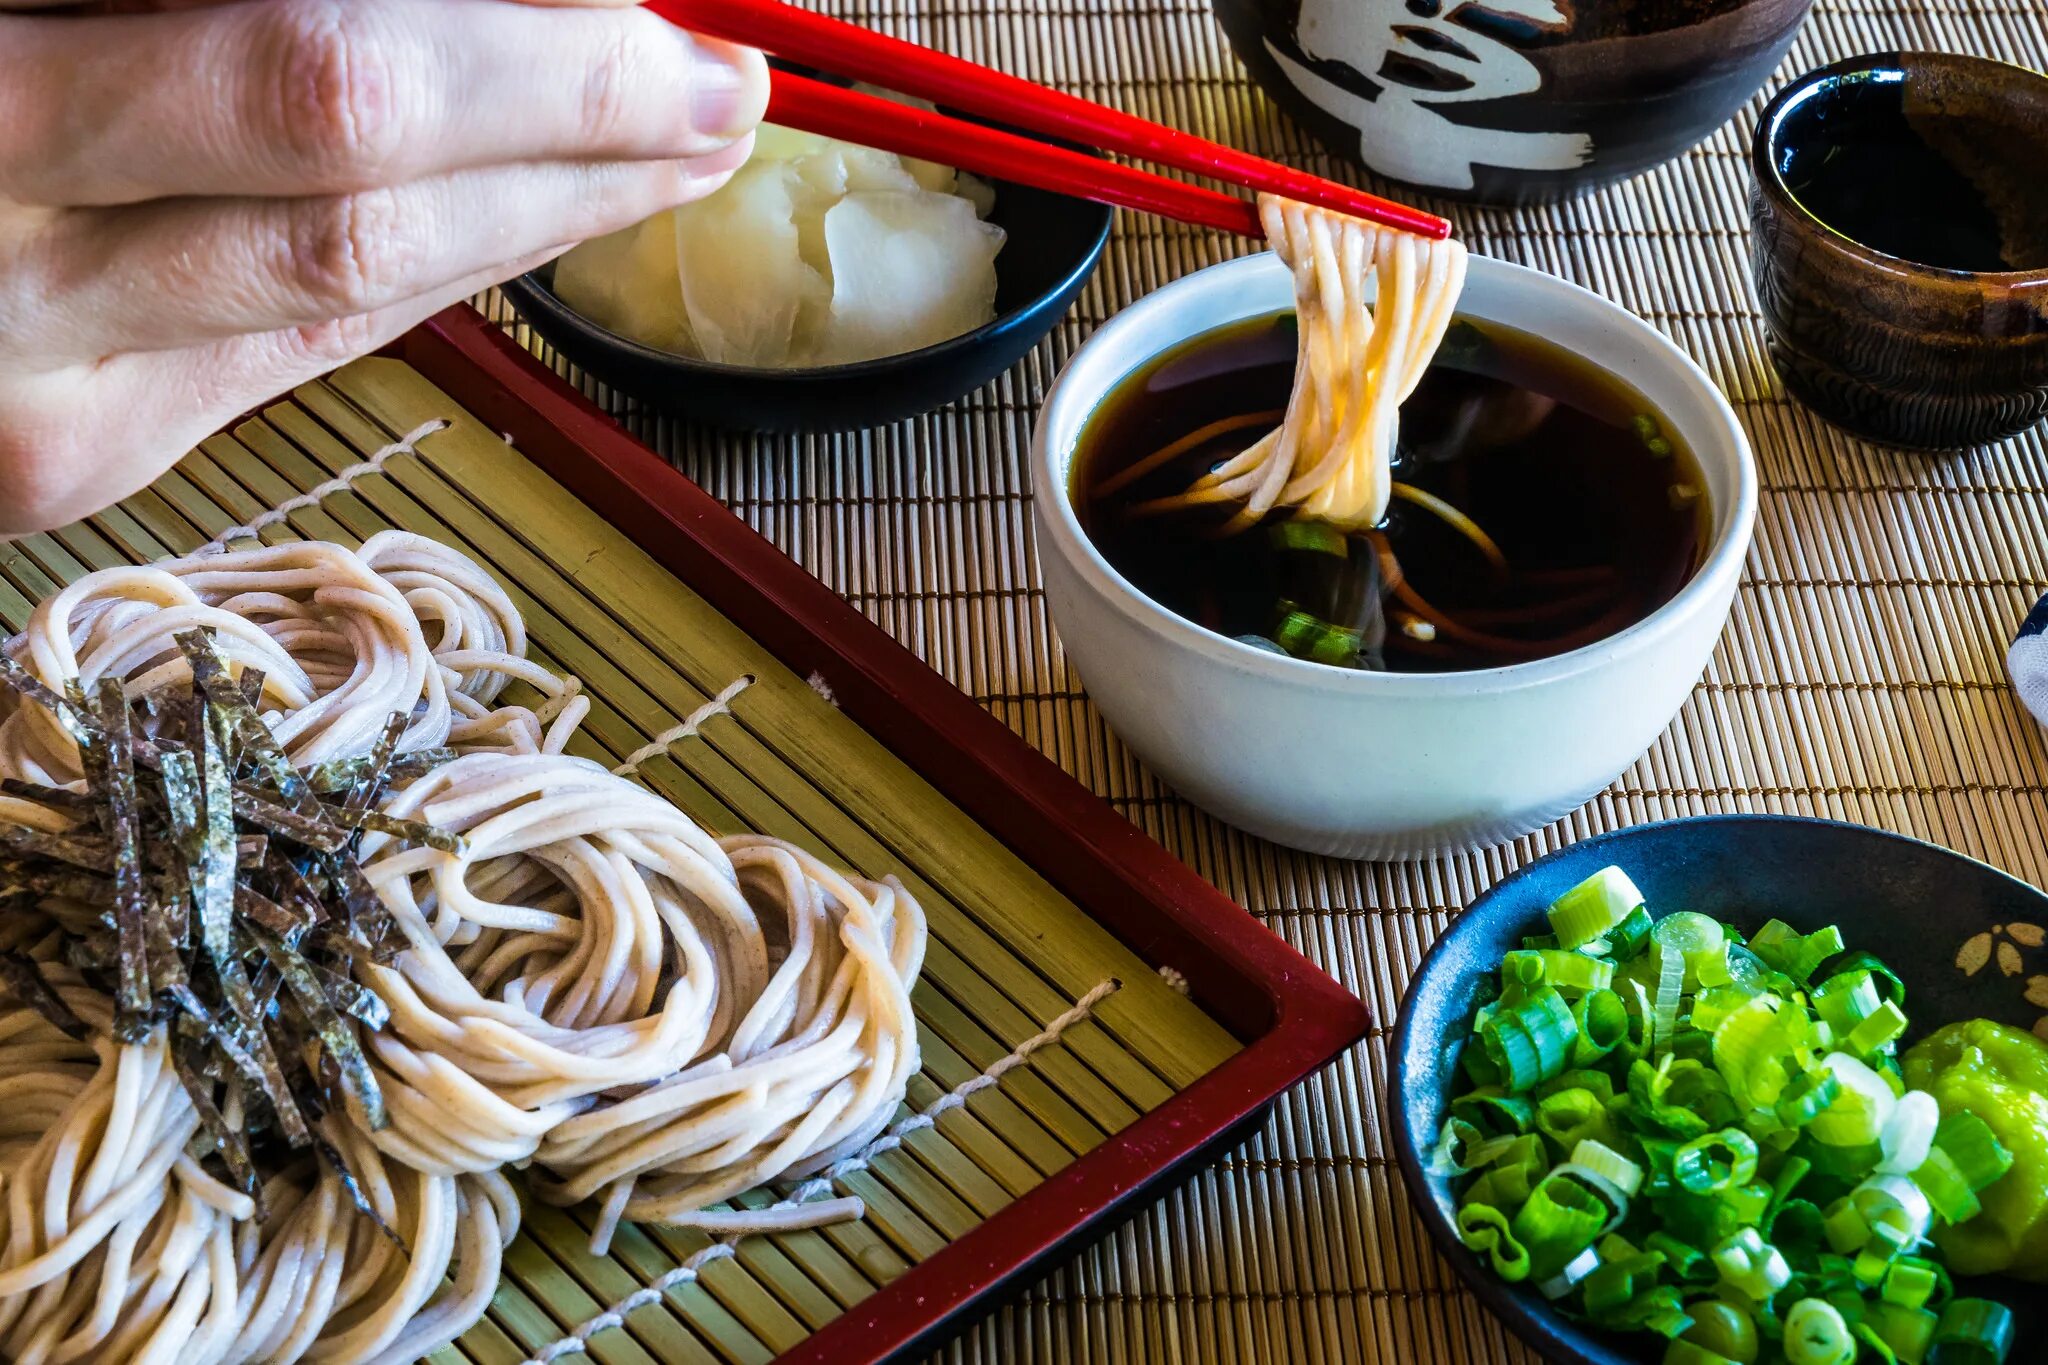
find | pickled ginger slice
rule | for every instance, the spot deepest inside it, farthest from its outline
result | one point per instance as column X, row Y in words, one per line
column 744, row 280
column 628, row 283
column 909, row 269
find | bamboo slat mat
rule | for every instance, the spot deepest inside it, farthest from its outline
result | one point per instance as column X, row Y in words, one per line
column 1013, row 971
column 1861, row 676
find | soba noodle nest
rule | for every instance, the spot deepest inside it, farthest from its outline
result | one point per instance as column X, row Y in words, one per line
column 594, row 985
column 1372, row 305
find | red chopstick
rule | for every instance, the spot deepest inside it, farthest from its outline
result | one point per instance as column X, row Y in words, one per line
column 816, row 107
column 848, row 50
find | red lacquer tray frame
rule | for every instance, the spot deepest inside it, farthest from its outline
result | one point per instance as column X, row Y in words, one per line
column 1292, row 1017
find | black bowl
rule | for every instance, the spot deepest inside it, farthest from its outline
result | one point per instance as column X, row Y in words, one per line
column 1911, row 903
column 1053, row 246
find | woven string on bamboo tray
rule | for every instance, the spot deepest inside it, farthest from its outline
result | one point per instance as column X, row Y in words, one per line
column 1861, row 676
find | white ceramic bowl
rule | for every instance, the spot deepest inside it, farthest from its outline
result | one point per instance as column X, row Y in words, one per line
column 1385, row 765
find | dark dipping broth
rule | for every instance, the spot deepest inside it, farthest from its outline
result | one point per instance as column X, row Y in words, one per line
column 1600, row 513
column 1898, row 172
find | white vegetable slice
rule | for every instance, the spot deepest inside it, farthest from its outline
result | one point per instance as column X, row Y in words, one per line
column 627, row 283
column 977, row 192
column 909, row 269
column 744, row 281
column 775, row 143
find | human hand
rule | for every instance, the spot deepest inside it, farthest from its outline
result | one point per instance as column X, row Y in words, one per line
column 204, row 204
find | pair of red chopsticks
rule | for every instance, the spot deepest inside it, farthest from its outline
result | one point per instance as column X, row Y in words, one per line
column 847, row 50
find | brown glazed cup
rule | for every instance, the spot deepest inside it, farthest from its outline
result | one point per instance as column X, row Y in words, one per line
column 1888, row 348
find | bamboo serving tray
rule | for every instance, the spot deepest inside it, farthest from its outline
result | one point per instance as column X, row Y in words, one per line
column 638, row 583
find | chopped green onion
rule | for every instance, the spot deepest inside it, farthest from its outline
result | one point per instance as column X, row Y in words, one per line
column 1846, row 999
column 1603, row 1026
column 1502, row 1186
column 1793, row 953
column 1972, row 1332
column 1883, row 1025
column 1909, row 1133
column 1569, row 1117
column 1894, row 1203
column 1847, row 1231
column 1697, row 939
column 1979, row 1157
column 1477, row 1150
column 1722, row 1329
column 1596, row 905
column 1609, row 1165
column 1906, row 1332
column 1751, row 1264
column 1716, row 1161
column 1618, row 1283
column 1806, row 1096
column 1887, row 983
column 1627, row 938
column 1816, row 1334
column 1488, row 1233
column 1910, row 1282
column 1310, row 637
column 1317, row 537
column 1561, row 1217
column 1670, row 991
column 1860, row 1112
column 1574, row 974
column 1566, row 1280
column 1666, row 1129
column 1759, row 1047
column 1492, row 1110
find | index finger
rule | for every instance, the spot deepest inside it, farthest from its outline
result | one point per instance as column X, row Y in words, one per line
column 332, row 96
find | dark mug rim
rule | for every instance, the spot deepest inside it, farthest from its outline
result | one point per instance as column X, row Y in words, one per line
column 1770, row 125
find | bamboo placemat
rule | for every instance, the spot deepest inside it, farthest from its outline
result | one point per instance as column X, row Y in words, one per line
column 1861, row 677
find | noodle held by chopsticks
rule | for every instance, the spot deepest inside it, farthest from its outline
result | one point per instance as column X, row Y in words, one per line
column 1372, row 305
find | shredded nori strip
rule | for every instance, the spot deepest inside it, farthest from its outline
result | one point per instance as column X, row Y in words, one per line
column 83, row 851
column 331, row 1154
column 56, row 798
column 414, row 831
column 209, row 887
column 209, row 677
column 32, row 688
column 336, row 1036
column 59, row 879
column 21, row 975
column 132, row 993
column 312, row 831
column 266, row 913
column 221, row 1137
column 343, row 774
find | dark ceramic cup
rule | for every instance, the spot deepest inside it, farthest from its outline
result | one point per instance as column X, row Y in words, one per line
column 1900, row 246
column 1510, row 101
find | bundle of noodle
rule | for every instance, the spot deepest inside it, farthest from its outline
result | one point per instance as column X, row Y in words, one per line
column 587, row 935
column 478, row 638
column 114, row 1244
column 338, row 649
column 814, row 1070
column 321, row 1283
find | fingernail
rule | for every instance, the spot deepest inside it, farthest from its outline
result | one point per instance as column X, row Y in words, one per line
column 726, row 91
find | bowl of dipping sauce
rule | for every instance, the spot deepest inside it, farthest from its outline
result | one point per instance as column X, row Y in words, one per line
column 1900, row 246
column 1453, row 704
